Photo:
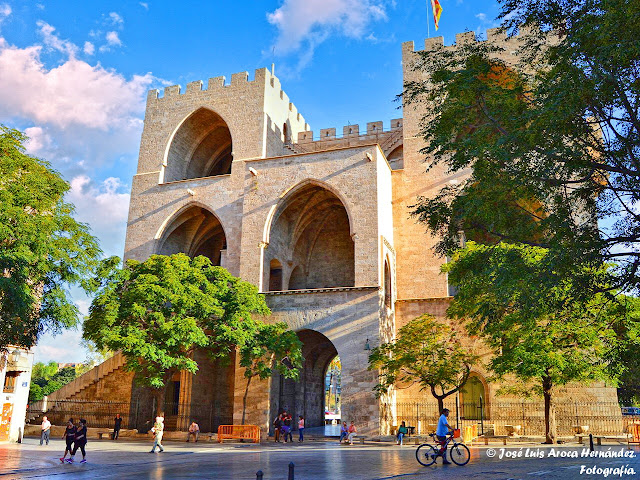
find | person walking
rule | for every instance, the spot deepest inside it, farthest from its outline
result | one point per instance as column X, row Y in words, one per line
column 158, row 430
column 80, row 441
column 353, row 431
column 45, row 430
column 344, row 431
column 286, row 425
column 402, row 431
column 69, row 437
column 194, row 429
column 301, row 429
column 277, row 426
column 117, row 423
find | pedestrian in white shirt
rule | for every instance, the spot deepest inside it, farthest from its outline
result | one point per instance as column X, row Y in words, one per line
column 46, row 430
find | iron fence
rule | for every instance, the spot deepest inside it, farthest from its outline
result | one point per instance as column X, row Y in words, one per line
column 525, row 417
column 137, row 414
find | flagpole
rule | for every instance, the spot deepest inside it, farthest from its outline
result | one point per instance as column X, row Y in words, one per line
column 428, row 27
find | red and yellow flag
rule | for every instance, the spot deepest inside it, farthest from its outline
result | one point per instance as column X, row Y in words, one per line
column 437, row 11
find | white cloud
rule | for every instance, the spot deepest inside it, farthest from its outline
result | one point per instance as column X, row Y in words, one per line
column 144, row 5
column 63, row 348
column 113, row 39
column 54, row 42
column 307, row 23
column 89, row 48
column 73, row 93
column 482, row 17
column 116, row 19
column 5, row 11
column 104, row 206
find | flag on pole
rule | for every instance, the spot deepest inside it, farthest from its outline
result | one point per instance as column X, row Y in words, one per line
column 437, row 11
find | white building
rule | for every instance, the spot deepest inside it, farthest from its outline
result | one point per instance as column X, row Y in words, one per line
column 15, row 377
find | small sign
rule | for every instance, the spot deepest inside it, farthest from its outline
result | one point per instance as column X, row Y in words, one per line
column 24, row 384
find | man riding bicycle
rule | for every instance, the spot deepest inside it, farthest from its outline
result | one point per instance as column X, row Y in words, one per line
column 442, row 431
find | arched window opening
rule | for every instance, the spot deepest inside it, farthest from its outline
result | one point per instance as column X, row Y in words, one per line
column 201, row 147
column 195, row 231
column 297, row 280
column 310, row 229
column 387, row 285
column 396, row 158
column 275, row 276
column 472, row 395
column 333, row 391
column 285, row 133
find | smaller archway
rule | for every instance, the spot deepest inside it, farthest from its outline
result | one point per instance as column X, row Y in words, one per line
column 275, row 276
column 388, row 294
column 333, row 391
column 473, row 397
column 194, row 231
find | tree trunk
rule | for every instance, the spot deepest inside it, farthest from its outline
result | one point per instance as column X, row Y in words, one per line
column 159, row 394
column 549, row 411
column 244, row 400
column 440, row 404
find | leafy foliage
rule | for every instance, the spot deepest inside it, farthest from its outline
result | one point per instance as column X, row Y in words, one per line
column 537, row 333
column 43, row 250
column 158, row 312
column 47, row 378
column 426, row 352
column 552, row 146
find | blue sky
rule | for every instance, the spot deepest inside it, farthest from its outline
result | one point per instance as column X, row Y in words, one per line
column 74, row 76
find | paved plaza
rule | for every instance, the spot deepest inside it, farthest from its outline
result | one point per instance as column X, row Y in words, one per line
column 313, row 460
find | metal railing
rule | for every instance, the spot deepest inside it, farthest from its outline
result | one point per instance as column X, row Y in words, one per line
column 137, row 413
column 497, row 418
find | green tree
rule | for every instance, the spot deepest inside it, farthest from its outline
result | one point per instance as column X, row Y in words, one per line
column 542, row 335
column 552, row 145
column 426, row 352
column 43, row 249
column 158, row 312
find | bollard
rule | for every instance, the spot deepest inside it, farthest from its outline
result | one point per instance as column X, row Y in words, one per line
column 291, row 466
column 259, row 475
column 591, row 442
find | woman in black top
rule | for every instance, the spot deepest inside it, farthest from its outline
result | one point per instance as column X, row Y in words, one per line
column 69, row 436
column 81, row 441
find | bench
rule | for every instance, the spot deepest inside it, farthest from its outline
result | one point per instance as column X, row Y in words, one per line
column 105, row 432
column 239, row 432
column 495, row 437
column 599, row 438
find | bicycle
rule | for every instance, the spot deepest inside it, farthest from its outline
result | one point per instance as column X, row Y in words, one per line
column 426, row 454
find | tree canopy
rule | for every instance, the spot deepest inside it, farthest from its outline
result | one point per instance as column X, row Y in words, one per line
column 43, row 249
column 552, row 144
column 426, row 352
column 158, row 312
column 542, row 335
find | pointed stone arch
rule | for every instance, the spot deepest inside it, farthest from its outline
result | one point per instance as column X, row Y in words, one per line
column 200, row 146
column 193, row 230
column 310, row 228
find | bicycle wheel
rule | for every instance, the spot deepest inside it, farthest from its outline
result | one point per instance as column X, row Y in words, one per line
column 460, row 454
column 426, row 454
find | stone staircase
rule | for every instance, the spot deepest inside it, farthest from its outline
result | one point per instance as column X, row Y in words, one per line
column 389, row 143
column 89, row 378
column 292, row 149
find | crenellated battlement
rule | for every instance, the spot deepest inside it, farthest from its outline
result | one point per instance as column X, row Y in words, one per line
column 263, row 78
column 374, row 129
column 494, row 35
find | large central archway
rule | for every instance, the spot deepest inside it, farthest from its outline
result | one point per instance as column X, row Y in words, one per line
column 310, row 238
column 306, row 396
column 200, row 147
column 194, row 231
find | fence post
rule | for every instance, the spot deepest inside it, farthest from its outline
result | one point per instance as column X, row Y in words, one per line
column 482, row 418
column 259, row 475
column 523, row 427
column 291, row 466
column 457, row 413
column 591, row 442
